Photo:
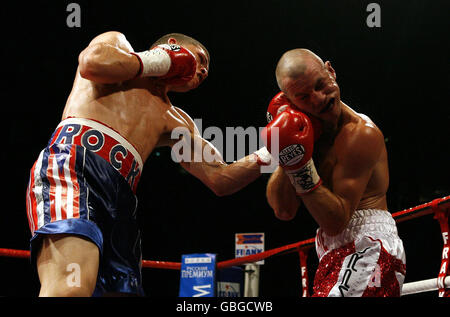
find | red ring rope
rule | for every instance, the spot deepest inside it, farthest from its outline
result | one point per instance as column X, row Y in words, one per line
column 437, row 206
column 410, row 213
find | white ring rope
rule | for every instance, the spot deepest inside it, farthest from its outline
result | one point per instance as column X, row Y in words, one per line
column 423, row 286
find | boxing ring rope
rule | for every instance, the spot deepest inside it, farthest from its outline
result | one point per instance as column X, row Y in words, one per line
column 423, row 286
column 440, row 207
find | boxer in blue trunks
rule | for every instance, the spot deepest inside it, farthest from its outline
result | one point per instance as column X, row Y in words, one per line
column 81, row 201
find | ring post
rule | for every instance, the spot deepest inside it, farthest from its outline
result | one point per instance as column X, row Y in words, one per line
column 303, row 255
column 441, row 215
column 251, row 285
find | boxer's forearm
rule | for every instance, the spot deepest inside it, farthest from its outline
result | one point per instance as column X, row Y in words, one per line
column 330, row 211
column 233, row 177
column 225, row 179
column 207, row 164
column 281, row 196
column 106, row 64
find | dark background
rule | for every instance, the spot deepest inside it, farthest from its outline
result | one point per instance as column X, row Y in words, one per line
column 396, row 74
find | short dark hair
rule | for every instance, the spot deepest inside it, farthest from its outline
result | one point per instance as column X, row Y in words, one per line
column 181, row 39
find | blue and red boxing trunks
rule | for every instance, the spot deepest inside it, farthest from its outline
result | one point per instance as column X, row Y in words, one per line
column 84, row 183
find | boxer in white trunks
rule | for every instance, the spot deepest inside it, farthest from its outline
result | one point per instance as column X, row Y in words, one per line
column 333, row 160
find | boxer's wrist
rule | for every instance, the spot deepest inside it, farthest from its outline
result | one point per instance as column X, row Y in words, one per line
column 153, row 63
column 262, row 156
column 305, row 179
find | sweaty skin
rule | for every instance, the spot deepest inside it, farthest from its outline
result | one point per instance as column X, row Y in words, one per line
column 106, row 89
column 350, row 155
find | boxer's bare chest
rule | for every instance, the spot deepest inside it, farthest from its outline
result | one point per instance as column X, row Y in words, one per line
column 143, row 117
column 155, row 127
column 327, row 148
column 325, row 158
column 173, row 123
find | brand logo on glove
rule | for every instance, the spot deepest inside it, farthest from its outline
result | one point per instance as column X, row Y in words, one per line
column 269, row 117
column 174, row 47
column 291, row 154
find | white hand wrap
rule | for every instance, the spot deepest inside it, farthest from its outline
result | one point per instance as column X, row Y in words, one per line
column 155, row 62
column 304, row 179
column 263, row 156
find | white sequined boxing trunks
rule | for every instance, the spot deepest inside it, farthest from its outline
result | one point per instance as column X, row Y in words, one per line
column 367, row 259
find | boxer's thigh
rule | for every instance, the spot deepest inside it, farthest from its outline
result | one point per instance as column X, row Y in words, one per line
column 67, row 265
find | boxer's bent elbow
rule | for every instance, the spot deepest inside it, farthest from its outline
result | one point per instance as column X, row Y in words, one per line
column 219, row 188
column 283, row 211
column 285, row 208
column 90, row 61
column 284, row 214
column 220, row 192
column 224, row 185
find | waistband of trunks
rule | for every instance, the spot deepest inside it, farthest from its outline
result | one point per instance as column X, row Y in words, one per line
column 104, row 142
column 362, row 222
column 97, row 125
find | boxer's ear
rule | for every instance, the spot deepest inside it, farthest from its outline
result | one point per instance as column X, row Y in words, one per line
column 172, row 41
column 330, row 69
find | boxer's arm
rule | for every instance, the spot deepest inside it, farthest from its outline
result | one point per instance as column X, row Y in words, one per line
column 206, row 163
column 107, row 59
column 222, row 178
column 356, row 161
column 281, row 195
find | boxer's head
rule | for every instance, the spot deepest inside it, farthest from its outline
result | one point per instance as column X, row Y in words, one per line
column 200, row 52
column 309, row 83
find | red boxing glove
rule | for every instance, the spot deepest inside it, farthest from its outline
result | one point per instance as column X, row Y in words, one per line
column 295, row 148
column 175, row 64
column 280, row 103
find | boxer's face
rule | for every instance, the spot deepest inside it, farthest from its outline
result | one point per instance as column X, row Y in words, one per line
column 202, row 68
column 316, row 92
column 202, row 64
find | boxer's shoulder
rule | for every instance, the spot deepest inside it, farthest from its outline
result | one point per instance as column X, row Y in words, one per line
column 113, row 38
column 360, row 141
column 358, row 127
